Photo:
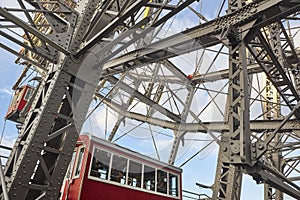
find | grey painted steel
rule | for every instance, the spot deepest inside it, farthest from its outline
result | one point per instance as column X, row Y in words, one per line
column 202, row 36
column 32, row 30
column 125, row 107
column 39, row 67
column 228, row 178
column 49, row 134
column 40, row 157
column 255, row 126
column 179, row 135
column 3, row 183
column 144, row 99
column 274, row 111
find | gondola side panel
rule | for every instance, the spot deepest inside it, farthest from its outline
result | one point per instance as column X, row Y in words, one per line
column 101, row 190
column 73, row 186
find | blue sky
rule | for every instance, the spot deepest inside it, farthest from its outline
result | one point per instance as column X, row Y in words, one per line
column 201, row 169
column 9, row 72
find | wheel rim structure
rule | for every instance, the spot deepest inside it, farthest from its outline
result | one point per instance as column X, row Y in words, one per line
column 129, row 72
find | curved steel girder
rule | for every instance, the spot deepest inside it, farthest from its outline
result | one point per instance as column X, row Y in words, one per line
column 202, row 36
column 255, row 126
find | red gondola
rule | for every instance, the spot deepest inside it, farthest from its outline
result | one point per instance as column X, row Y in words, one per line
column 104, row 171
column 20, row 99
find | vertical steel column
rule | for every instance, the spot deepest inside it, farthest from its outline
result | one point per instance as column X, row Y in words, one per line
column 40, row 157
column 235, row 144
column 228, row 180
column 272, row 109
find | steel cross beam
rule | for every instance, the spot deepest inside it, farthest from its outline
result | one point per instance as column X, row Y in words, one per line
column 144, row 99
column 179, row 135
column 30, row 29
column 170, row 13
column 264, row 55
column 241, row 125
column 48, row 137
column 255, row 126
column 62, row 94
column 137, row 80
column 42, row 152
column 235, row 144
column 252, row 68
column 125, row 107
column 202, row 36
column 41, row 41
column 270, row 53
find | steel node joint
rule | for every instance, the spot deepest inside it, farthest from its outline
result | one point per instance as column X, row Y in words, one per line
column 232, row 152
column 257, row 150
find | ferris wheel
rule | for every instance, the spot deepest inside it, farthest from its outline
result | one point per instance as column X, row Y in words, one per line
column 173, row 80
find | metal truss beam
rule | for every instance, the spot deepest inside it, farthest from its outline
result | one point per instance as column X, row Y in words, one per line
column 179, row 135
column 202, row 36
column 235, row 143
column 228, row 181
column 27, row 47
column 40, row 157
column 255, row 126
column 273, row 178
column 123, row 14
column 125, row 106
column 34, row 31
column 49, row 134
column 144, row 99
column 39, row 67
column 47, row 139
column 177, row 75
column 224, row 74
column 272, row 32
column 264, row 55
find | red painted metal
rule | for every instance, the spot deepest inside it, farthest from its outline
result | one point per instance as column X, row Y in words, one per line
column 18, row 103
column 85, row 188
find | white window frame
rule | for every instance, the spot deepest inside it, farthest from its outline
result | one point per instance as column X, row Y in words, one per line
column 76, row 162
column 142, row 188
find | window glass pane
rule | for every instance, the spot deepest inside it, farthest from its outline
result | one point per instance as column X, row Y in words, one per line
column 70, row 169
column 173, row 184
column 134, row 174
column 100, row 164
column 149, row 178
column 161, row 181
column 28, row 94
column 79, row 162
column 118, row 169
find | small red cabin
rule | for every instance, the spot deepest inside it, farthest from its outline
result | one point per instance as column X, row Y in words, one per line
column 20, row 99
column 105, row 171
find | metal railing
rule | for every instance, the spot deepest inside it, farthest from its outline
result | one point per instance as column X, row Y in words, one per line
column 192, row 195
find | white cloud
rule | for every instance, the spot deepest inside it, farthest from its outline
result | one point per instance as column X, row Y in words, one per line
column 6, row 91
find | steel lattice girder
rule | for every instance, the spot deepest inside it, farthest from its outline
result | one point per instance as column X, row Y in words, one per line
column 202, row 36
column 62, row 77
column 40, row 158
